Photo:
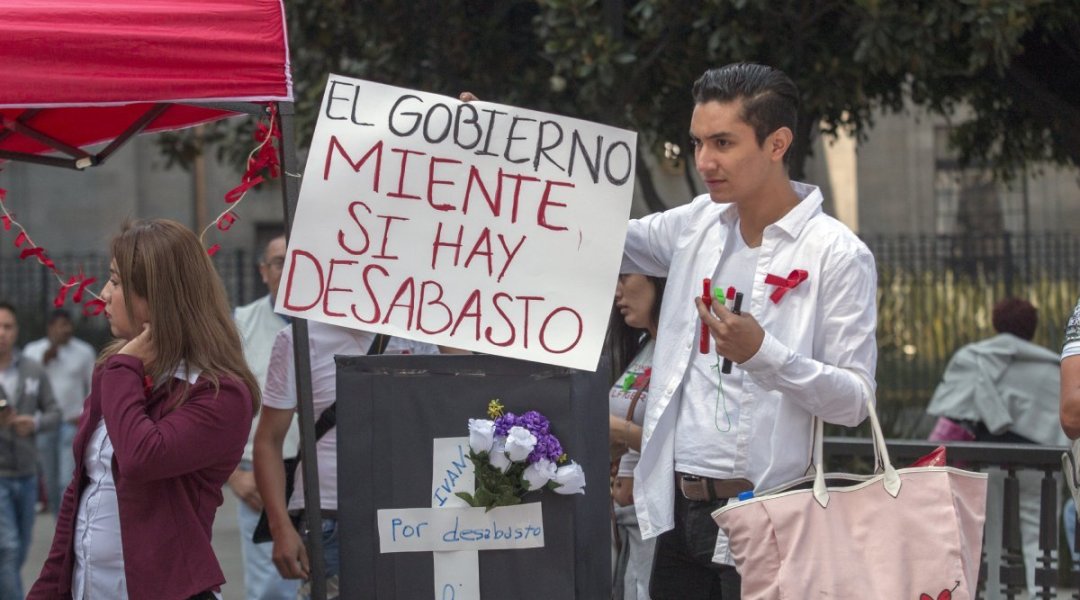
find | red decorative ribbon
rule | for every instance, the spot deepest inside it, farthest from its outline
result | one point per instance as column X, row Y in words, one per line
column 237, row 192
column 785, row 285
column 61, row 295
column 264, row 158
column 79, row 282
column 94, row 307
column 84, row 281
column 226, row 221
column 28, row 248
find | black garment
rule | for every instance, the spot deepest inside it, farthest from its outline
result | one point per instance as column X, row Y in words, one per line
column 682, row 565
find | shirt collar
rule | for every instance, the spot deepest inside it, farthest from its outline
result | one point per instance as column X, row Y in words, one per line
column 182, row 373
column 285, row 318
column 810, row 200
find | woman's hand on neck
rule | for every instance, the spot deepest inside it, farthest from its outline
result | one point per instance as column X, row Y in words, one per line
column 141, row 347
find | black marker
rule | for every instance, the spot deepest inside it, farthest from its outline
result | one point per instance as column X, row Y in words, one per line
column 726, row 369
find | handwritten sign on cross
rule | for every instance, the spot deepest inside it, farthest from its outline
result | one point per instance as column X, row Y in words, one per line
column 473, row 225
column 452, row 530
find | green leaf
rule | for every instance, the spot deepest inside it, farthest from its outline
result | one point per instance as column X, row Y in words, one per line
column 467, row 497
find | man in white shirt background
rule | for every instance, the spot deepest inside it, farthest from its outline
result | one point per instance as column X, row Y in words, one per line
column 279, row 406
column 259, row 325
column 69, row 365
column 804, row 344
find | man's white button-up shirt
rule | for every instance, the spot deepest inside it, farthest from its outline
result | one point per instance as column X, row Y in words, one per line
column 818, row 356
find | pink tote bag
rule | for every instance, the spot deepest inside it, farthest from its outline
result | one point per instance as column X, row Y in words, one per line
column 902, row 534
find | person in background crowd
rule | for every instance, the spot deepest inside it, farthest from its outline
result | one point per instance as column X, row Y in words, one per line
column 169, row 411
column 69, row 364
column 804, row 342
column 1070, row 377
column 1004, row 389
column 1069, row 411
column 325, row 341
column 27, row 407
column 631, row 340
column 259, row 325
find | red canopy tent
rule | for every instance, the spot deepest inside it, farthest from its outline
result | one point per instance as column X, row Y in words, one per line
column 84, row 71
column 81, row 72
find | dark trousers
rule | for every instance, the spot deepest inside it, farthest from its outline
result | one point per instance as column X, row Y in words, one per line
column 682, row 565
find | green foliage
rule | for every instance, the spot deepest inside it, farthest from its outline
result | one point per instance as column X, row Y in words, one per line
column 493, row 487
column 631, row 63
column 848, row 59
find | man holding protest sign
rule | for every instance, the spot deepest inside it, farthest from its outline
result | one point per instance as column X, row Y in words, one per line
column 279, row 404
column 804, row 342
column 259, row 325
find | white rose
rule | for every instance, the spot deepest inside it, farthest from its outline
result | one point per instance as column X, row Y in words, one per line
column 497, row 457
column 481, row 435
column 519, row 443
column 539, row 473
column 571, row 479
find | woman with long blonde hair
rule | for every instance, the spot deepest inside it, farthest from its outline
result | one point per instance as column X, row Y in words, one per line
column 165, row 424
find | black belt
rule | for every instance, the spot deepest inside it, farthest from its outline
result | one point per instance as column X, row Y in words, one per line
column 702, row 489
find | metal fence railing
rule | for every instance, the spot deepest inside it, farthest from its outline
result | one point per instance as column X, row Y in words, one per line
column 936, row 293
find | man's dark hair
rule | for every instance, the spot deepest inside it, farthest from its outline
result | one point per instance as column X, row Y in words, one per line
column 1016, row 316
column 770, row 99
column 266, row 247
column 5, row 305
column 60, row 313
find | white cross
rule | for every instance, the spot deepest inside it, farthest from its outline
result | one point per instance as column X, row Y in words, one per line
column 451, row 524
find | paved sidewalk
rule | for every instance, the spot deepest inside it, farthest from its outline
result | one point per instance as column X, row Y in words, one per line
column 226, row 546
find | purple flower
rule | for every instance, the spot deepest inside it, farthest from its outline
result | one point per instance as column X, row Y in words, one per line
column 547, row 447
column 535, row 422
column 504, row 423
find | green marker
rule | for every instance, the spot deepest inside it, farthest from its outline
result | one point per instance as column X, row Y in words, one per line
column 718, row 293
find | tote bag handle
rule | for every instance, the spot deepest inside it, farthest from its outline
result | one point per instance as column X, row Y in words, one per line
column 891, row 479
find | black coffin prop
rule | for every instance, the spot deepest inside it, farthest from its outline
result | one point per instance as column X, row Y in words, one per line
column 390, row 408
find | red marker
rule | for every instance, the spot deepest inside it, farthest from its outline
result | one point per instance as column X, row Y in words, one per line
column 706, row 297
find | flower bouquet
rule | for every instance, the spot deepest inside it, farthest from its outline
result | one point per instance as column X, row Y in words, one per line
column 513, row 455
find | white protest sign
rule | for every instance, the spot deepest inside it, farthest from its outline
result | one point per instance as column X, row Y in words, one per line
column 474, row 225
column 441, row 529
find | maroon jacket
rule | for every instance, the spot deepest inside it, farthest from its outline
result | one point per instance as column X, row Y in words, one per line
column 169, row 470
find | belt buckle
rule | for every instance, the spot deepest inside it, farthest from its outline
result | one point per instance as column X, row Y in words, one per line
column 693, row 487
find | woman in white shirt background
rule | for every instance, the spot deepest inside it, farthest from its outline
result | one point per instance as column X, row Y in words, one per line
column 631, row 336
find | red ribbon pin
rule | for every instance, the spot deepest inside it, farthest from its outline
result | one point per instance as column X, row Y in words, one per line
column 785, row 285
